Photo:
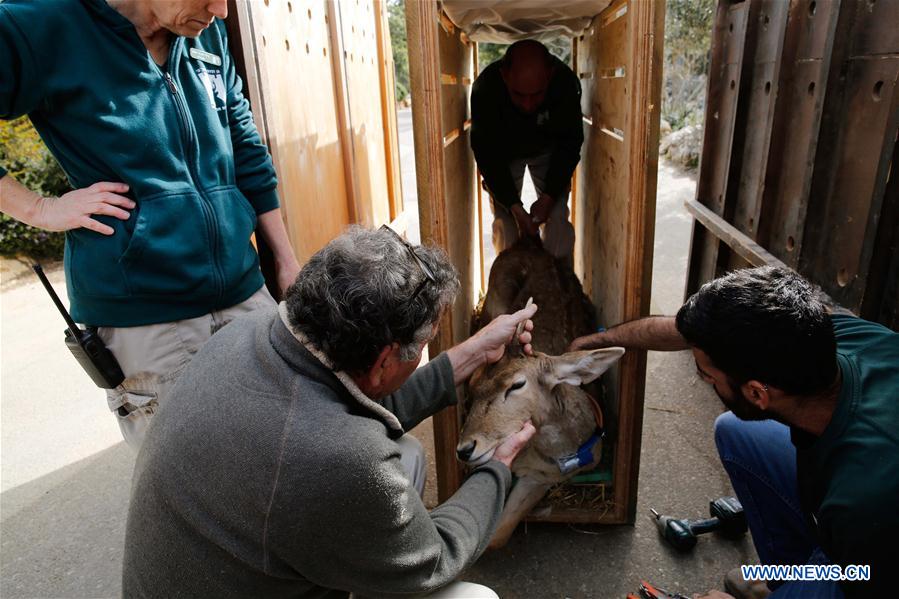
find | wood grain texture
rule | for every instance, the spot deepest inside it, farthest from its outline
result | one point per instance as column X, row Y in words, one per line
column 422, row 32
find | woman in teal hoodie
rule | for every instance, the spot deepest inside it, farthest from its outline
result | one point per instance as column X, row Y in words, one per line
column 140, row 104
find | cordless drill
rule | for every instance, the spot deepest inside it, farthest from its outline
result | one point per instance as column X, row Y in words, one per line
column 727, row 516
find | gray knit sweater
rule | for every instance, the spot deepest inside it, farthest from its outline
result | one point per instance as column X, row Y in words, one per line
column 262, row 476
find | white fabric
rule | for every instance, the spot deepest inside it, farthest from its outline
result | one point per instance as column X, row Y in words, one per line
column 507, row 21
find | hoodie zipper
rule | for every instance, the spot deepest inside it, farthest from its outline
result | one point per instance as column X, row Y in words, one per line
column 187, row 140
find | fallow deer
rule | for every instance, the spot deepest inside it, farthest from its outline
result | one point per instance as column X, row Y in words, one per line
column 543, row 388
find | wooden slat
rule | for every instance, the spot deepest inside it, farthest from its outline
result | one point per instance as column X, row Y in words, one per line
column 725, row 70
column 881, row 302
column 645, row 42
column 342, row 101
column 763, row 91
column 794, row 143
column 455, row 65
column 739, row 242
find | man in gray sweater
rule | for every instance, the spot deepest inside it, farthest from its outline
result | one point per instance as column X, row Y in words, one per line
column 276, row 468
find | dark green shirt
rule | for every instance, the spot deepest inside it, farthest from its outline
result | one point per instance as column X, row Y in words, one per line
column 849, row 476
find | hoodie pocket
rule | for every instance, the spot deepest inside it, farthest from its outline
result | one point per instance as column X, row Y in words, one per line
column 235, row 222
column 170, row 252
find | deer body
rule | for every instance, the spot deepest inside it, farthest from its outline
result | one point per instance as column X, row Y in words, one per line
column 543, row 388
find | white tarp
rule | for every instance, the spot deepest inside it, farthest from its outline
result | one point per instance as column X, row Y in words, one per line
column 507, row 21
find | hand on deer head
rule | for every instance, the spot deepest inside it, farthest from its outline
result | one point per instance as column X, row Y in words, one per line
column 508, row 450
column 493, row 339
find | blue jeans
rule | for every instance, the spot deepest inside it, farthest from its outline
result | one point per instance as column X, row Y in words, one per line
column 760, row 460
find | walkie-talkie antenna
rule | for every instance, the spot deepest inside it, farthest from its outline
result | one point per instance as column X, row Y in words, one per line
column 74, row 328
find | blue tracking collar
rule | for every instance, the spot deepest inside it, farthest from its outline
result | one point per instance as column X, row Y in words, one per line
column 583, row 456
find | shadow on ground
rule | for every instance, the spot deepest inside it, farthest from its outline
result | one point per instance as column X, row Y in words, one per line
column 63, row 533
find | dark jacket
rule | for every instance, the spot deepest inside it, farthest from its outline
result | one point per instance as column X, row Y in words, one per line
column 501, row 133
column 181, row 136
column 262, row 476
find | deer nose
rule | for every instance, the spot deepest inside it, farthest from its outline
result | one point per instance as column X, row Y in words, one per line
column 464, row 452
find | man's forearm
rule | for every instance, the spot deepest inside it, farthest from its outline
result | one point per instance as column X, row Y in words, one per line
column 465, row 358
column 657, row 333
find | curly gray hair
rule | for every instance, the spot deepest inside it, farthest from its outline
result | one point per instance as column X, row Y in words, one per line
column 355, row 296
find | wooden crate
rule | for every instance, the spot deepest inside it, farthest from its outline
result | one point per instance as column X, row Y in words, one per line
column 619, row 62
column 800, row 144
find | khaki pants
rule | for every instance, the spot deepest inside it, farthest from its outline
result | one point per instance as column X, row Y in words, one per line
column 557, row 232
column 153, row 356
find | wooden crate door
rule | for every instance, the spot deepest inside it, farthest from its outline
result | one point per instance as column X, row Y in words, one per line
column 619, row 63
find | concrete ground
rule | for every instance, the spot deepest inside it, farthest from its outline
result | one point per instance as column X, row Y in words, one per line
column 65, row 474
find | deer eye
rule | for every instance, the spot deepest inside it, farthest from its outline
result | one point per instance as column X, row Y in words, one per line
column 515, row 386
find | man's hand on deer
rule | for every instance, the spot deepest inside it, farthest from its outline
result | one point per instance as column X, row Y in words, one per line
column 489, row 344
column 508, row 450
column 501, row 331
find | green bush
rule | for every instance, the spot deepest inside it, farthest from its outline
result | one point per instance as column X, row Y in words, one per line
column 27, row 159
column 396, row 20
column 18, row 238
column 688, row 34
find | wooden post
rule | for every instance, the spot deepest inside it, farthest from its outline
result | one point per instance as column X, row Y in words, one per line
column 422, row 24
column 645, row 40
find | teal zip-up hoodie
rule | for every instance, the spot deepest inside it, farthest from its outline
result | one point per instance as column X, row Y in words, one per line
column 181, row 136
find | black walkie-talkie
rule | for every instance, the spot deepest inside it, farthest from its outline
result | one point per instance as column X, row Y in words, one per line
column 86, row 345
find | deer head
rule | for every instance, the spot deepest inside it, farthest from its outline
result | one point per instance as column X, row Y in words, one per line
column 502, row 396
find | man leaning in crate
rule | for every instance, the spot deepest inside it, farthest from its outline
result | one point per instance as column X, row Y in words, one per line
column 139, row 102
column 526, row 112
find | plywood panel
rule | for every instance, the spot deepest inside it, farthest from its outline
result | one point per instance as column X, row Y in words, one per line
column 366, row 123
column 826, row 204
column 859, row 123
column 301, row 121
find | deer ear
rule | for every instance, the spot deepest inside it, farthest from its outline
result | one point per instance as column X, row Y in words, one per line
column 582, row 367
